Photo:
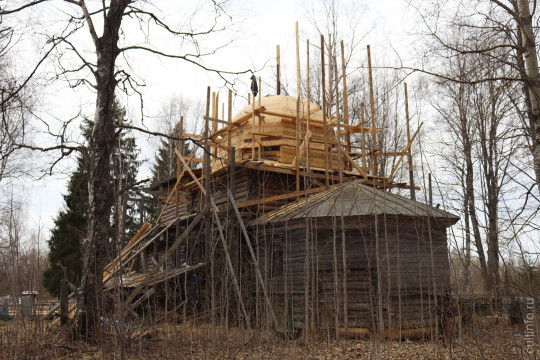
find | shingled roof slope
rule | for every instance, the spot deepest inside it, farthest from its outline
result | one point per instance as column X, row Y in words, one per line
column 353, row 199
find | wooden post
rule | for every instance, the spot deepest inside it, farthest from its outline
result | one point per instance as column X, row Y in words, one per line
column 306, row 250
column 297, row 110
column 325, row 129
column 229, row 125
column 208, row 243
column 178, row 162
column 206, row 131
column 232, row 181
column 180, row 146
column 253, row 258
column 215, row 115
column 200, row 216
column 380, row 313
column 409, row 155
column 373, row 123
column 330, row 95
column 229, row 265
column 278, row 70
column 362, row 112
column 345, row 102
column 307, row 162
column 343, row 234
column 253, row 128
column 430, row 191
column 259, row 117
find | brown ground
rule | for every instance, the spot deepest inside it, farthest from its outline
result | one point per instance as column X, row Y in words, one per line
column 490, row 340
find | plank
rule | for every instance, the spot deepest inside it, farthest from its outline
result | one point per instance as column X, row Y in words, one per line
column 168, row 253
column 279, row 197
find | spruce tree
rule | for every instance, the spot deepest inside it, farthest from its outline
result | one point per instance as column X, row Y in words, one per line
column 68, row 232
column 70, row 225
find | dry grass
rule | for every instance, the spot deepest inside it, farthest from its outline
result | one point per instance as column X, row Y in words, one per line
column 489, row 340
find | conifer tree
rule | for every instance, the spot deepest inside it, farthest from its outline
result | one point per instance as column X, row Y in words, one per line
column 69, row 230
column 70, row 225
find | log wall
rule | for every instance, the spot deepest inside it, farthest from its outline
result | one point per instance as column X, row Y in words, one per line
column 408, row 282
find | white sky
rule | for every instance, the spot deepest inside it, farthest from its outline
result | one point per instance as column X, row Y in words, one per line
column 266, row 24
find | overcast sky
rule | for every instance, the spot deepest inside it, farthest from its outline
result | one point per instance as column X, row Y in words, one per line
column 261, row 26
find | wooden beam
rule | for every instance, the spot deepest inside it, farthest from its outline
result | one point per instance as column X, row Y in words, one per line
column 193, row 175
column 290, row 116
column 278, row 70
column 358, row 128
column 192, row 159
column 232, row 272
column 206, row 148
column 229, row 125
column 123, row 254
column 297, row 108
column 193, row 136
column 303, row 147
column 215, row 114
column 253, row 129
column 175, row 188
column 253, row 258
column 345, row 102
column 142, row 248
column 145, row 296
column 168, row 254
column 325, row 130
column 391, row 153
column 183, row 201
column 362, row 112
column 350, row 160
column 372, row 102
column 404, row 152
column 409, row 156
column 307, row 162
column 279, row 197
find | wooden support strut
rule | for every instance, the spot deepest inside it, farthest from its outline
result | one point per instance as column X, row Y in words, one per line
column 168, row 253
column 193, row 175
column 297, row 109
column 325, row 130
column 404, row 152
column 229, row 265
column 372, row 103
column 242, row 204
column 409, row 156
column 345, row 103
column 175, row 188
column 253, row 258
column 146, row 245
column 303, row 147
column 229, row 125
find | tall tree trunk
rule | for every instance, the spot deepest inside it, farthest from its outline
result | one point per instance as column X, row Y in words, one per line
column 100, row 191
column 532, row 79
column 469, row 193
column 487, row 122
column 467, row 265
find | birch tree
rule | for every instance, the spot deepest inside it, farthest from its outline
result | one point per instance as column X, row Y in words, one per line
column 99, row 68
column 501, row 31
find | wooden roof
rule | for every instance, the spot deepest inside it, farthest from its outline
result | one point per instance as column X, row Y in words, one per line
column 353, row 199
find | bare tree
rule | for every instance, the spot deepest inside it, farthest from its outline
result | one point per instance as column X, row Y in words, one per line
column 501, row 31
column 483, row 134
column 110, row 36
